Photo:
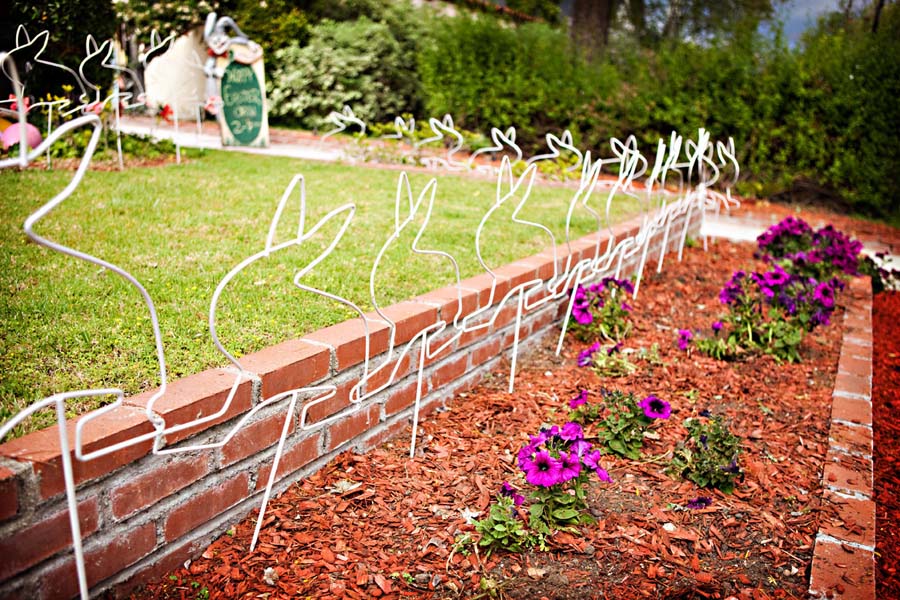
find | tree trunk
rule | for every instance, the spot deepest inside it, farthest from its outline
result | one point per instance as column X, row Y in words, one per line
column 875, row 20
column 591, row 21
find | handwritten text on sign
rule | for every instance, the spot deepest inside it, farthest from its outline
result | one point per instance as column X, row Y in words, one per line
column 242, row 102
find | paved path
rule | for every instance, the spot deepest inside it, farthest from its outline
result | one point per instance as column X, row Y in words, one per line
column 188, row 137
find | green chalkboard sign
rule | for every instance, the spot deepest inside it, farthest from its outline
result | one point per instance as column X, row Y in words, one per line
column 242, row 103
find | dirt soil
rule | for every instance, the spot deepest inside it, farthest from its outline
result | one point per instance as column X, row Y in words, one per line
column 384, row 525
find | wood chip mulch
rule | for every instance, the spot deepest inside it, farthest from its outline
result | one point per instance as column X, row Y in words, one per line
column 885, row 404
column 382, row 525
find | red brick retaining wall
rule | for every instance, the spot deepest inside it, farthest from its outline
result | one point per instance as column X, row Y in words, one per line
column 143, row 514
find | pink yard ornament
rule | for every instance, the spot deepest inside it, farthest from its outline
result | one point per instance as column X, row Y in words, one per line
column 12, row 136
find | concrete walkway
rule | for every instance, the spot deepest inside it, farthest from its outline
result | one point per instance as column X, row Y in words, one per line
column 188, row 137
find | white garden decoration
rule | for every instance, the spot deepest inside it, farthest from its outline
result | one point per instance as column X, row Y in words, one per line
column 703, row 160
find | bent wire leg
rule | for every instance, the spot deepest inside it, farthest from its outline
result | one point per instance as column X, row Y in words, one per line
column 274, row 473
column 419, row 376
column 520, row 307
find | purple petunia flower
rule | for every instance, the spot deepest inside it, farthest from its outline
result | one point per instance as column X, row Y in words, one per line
column 580, row 447
column 510, row 492
column 717, row 326
column 524, row 456
column 578, row 400
column 603, row 474
column 654, row 408
column 824, row 294
column 626, row 307
column 592, row 460
column 684, row 339
column 569, row 466
column 543, row 470
column 586, row 356
column 732, row 468
column 699, row 502
column 733, row 290
column 571, row 432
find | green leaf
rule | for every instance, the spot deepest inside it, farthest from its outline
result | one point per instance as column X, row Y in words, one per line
column 564, row 514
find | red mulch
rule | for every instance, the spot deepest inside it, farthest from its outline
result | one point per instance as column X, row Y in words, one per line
column 886, row 402
column 384, row 525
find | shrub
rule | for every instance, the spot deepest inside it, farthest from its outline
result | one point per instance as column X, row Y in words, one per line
column 359, row 64
column 489, row 74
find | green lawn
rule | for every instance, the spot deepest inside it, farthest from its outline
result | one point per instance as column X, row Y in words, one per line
column 179, row 229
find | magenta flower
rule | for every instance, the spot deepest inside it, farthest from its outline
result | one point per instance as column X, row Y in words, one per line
column 684, row 339
column 578, row 400
column 603, row 474
column 543, row 470
column 699, row 502
column 592, row 460
column 654, row 408
column 586, row 356
column 580, row 447
column 569, row 466
column 717, row 326
column 510, row 492
column 571, row 432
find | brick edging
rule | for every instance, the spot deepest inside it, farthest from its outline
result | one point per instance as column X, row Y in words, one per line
column 843, row 563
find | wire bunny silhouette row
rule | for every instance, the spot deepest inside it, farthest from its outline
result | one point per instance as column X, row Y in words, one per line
column 432, row 340
column 444, row 132
column 91, row 97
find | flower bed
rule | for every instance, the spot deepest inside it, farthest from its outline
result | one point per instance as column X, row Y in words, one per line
column 381, row 524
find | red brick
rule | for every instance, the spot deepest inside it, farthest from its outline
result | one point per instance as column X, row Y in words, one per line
column 506, row 315
column 855, row 439
column 484, row 283
column 257, row 436
column 846, row 472
column 41, row 448
column 835, row 569
column 448, row 371
column 163, row 479
column 853, row 410
column 352, row 425
column 474, row 335
column 858, row 367
column 542, row 320
column 450, row 299
column 203, row 505
column 388, row 433
column 293, row 458
column 196, row 396
column 401, row 397
column 100, row 562
column 409, row 318
column 547, row 265
column 288, row 366
column 29, row 546
column 848, row 519
column 857, row 351
column 169, row 559
column 484, row 352
column 335, row 404
column 850, row 384
column 518, row 274
column 9, row 494
column 349, row 340
column 584, row 249
column 383, row 376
